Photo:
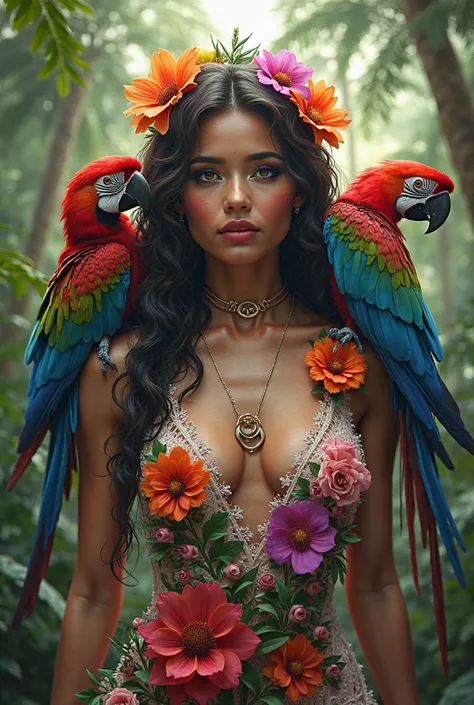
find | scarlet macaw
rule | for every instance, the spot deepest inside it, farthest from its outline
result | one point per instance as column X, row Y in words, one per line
column 90, row 294
column 377, row 291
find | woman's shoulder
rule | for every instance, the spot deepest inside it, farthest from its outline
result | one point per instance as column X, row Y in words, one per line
column 96, row 388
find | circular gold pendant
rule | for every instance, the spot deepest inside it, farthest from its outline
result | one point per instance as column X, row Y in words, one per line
column 249, row 432
column 247, row 309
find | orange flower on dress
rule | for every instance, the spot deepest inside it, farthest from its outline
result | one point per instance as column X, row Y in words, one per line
column 319, row 112
column 296, row 666
column 154, row 96
column 338, row 371
column 174, row 484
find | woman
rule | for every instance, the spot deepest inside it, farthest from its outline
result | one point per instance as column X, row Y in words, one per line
column 239, row 189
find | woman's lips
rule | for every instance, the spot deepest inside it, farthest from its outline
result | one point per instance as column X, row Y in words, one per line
column 238, row 235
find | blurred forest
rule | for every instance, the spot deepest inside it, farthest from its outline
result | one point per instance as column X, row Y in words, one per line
column 405, row 70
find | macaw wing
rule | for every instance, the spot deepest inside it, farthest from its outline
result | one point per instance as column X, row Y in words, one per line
column 84, row 301
column 371, row 264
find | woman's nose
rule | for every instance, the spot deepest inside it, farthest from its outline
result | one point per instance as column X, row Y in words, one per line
column 237, row 196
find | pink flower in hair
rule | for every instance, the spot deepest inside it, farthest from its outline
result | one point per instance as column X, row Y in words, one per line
column 283, row 72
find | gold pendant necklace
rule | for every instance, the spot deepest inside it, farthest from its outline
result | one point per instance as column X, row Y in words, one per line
column 248, row 429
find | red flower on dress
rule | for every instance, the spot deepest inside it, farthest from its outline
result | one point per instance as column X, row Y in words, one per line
column 198, row 643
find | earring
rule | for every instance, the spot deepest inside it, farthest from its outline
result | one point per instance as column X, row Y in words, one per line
column 296, row 210
column 181, row 219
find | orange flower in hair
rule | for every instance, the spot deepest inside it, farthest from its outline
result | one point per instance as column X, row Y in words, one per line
column 174, row 484
column 153, row 97
column 319, row 112
column 335, row 371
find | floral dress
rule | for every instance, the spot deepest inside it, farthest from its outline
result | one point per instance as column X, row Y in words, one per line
column 236, row 618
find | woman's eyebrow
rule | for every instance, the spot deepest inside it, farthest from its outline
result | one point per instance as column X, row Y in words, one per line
column 205, row 159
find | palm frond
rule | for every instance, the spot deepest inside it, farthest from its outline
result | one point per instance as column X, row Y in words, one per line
column 384, row 78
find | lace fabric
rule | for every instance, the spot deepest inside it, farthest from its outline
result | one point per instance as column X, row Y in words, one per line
column 330, row 421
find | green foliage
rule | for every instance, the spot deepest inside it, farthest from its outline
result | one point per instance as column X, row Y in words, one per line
column 53, row 37
column 377, row 33
column 237, row 54
column 17, row 270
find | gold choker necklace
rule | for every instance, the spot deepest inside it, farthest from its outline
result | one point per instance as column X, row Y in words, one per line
column 248, row 428
column 245, row 309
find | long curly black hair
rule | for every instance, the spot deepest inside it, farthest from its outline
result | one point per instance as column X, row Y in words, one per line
column 171, row 312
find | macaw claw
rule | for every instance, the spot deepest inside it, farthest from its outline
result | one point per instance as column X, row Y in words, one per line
column 344, row 336
column 104, row 356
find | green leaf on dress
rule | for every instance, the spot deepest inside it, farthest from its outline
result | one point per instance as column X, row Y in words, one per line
column 271, row 644
column 215, row 527
column 250, row 678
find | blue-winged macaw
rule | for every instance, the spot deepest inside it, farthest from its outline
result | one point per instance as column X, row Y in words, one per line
column 89, row 296
column 378, row 293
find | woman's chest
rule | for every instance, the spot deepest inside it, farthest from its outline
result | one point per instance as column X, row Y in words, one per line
column 288, row 412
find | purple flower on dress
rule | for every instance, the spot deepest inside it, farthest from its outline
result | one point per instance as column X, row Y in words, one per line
column 300, row 534
column 283, row 72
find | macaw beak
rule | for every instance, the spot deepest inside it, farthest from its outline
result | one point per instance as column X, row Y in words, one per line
column 137, row 193
column 435, row 209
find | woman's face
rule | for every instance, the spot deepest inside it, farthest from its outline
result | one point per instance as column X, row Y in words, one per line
column 237, row 174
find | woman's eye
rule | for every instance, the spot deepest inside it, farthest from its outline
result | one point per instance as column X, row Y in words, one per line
column 205, row 176
column 266, row 172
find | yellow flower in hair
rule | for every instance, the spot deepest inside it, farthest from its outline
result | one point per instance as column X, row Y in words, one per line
column 319, row 112
column 153, row 97
column 206, row 56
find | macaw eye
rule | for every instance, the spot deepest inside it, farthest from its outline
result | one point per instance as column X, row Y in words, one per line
column 107, row 180
column 418, row 183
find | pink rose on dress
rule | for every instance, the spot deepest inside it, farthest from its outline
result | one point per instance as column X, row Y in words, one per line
column 332, row 671
column 232, row 572
column 121, row 696
column 320, row 632
column 164, row 536
column 342, row 476
column 267, row 581
column 188, row 552
column 297, row 614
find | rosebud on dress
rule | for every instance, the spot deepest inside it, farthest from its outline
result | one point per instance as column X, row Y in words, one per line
column 184, row 575
column 188, row 552
column 297, row 614
column 267, row 581
column 232, row 572
column 320, row 632
column 164, row 536
column 332, row 671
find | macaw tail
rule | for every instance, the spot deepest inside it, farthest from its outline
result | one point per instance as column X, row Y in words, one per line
column 26, row 455
column 423, row 492
column 60, row 463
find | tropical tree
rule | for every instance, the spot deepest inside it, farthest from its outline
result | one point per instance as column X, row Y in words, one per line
column 391, row 35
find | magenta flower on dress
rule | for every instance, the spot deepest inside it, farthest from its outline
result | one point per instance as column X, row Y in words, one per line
column 300, row 534
column 283, row 72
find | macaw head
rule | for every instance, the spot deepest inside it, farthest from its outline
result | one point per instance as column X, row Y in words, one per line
column 97, row 195
column 404, row 189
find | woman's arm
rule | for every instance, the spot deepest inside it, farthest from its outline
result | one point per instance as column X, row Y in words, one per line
column 373, row 591
column 95, row 597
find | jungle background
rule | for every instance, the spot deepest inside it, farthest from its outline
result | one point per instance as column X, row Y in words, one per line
column 405, row 70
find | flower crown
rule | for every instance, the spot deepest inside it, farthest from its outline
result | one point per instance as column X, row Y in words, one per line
column 171, row 78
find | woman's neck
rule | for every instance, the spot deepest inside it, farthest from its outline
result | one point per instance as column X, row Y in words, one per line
column 246, row 282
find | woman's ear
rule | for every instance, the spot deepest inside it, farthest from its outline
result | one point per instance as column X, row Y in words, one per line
column 298, row 202
column 179, row 208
